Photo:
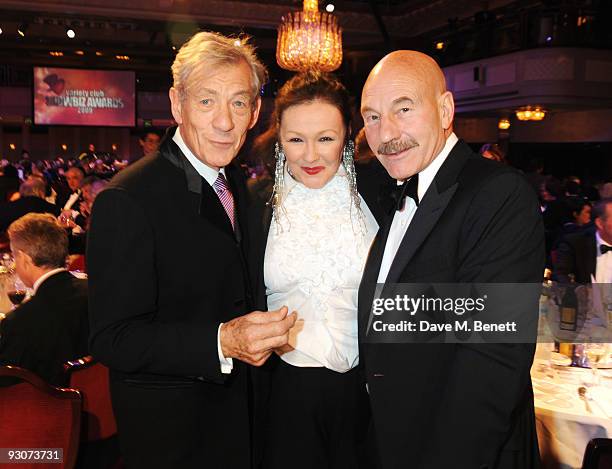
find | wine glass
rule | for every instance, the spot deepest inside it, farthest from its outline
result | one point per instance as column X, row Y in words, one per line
column 17, row 294
column 7, row 262
column 66, row 219
column 595, row 352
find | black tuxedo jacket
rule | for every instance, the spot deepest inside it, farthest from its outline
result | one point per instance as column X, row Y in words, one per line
column 11, row 211
column 437, row 406
column 62, row 199
column 165, row 269
column 576, row 254
column 48, row 330
column 8, row 186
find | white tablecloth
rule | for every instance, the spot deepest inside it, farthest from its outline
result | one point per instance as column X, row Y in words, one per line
column 563, row 423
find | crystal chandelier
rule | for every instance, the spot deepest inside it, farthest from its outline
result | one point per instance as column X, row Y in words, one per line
column 309, row 40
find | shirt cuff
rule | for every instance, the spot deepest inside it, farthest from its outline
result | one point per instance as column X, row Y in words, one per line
column 227, row 364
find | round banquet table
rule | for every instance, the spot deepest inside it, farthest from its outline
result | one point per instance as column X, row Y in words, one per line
column 564, row 424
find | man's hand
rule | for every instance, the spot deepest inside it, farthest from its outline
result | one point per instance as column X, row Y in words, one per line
column 85, row 209
column 251, row 338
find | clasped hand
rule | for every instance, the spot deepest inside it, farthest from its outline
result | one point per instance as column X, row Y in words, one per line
column 253, row 337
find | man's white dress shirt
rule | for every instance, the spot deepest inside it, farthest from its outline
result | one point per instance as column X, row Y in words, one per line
column 603, row 269
column 72, row 199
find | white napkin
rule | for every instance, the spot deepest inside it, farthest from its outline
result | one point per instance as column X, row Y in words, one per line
column 603, row 397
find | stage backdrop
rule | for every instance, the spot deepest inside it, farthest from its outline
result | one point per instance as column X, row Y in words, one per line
column 66, row 96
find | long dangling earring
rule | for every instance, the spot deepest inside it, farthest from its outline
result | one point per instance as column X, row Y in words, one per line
column 279, row 177
column 348, row 160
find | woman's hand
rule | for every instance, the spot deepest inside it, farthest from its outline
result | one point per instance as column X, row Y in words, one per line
column 284, row 349
column 292, row 339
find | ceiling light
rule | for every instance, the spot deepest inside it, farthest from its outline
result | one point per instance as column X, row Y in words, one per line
column 56, row 53
column 439, row 45
column 99, row 53
column 329, row 7
column 530, row 114
column 79, row 52
column 70, row 33
column 21, row 29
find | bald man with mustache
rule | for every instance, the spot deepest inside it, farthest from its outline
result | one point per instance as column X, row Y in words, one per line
column 465, row 219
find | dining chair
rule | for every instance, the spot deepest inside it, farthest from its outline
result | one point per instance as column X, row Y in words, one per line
column 34, row 414
column 99, row 443
column 598, row 454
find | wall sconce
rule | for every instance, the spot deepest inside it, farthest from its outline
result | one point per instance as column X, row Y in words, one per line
column 503, row 124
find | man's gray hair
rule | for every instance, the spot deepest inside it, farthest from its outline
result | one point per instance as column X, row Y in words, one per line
column 206, row 50
column 33, row 186
column 40, row 237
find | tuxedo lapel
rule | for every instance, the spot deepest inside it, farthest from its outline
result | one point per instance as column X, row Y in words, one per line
column 210, row 206
column 212, row 210
column 266, row 221
column 591, row 256
column 263, row 225
column 367, row 287
column 431, row 208
column 425, row 218
column 236, row 185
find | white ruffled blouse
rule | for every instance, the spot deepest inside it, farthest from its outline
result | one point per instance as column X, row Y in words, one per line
column 313, row 264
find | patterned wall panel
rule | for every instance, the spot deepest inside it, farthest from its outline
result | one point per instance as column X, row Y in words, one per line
column 598, row 70
column 501, row 74
column 549, row 68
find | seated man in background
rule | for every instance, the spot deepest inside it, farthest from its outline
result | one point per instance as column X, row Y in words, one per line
column 77, row 240
column 70, row 197
column 52, row 327
column 92, row 186
column 588, row 254
column 32, row 199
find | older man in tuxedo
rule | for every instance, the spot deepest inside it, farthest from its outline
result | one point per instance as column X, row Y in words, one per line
column 464, row 219
column 169, row 290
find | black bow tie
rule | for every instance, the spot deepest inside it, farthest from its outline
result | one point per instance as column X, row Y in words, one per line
column 605, row 248
column 407, row 189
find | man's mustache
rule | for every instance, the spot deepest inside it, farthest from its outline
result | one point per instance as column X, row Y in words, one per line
column 396, row 146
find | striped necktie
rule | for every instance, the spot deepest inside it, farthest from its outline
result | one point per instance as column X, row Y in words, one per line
column 225, row 196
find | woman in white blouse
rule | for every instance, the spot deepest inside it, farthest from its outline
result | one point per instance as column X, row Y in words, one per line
column 316, row 236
